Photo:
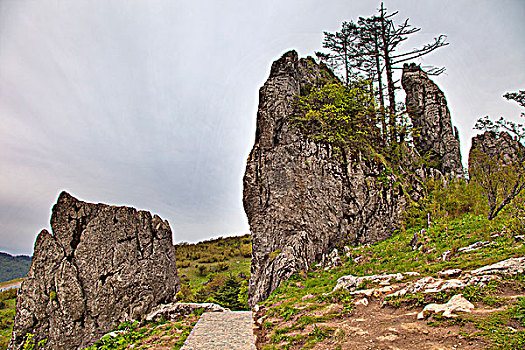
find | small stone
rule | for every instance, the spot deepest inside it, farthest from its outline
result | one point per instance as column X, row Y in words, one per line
column 307, row 296
column 456, row 304
column 363, row 302
column 450, row 273
column 446, row 255
column 475, row 246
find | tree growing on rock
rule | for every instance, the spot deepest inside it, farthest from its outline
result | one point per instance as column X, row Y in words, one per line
column 497, row 160
column 371, row 49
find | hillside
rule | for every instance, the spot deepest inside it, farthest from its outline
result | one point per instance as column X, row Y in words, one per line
column 305, row 312
column 205, row 267
column 12, row 267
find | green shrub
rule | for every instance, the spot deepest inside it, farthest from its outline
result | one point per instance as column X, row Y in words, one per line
column 222, row 266
column 201, row 270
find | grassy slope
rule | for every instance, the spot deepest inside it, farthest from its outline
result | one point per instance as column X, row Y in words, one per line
column 230, row 255
column 315, row 321
column 7, row 316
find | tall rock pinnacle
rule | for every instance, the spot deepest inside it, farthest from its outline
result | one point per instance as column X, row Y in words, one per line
column 303, row 197
column 427, row 107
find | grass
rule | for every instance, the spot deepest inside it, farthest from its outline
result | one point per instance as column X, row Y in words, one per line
column 235, row 252
column 205, row 268
column 160, row 334
column 448, row 232
column 7, row 316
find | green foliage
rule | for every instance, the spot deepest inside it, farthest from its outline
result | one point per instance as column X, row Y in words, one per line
column 449, row 200
column 518, row 312
column 30, row 342
column 495, row 327
column 163, row 334
column 228, row 294
column 218, row 260
column 341, row 115
column 501, row 180
column 201, row 270
column 7, row 316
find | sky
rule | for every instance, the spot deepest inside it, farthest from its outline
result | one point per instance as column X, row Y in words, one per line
column 152, row 103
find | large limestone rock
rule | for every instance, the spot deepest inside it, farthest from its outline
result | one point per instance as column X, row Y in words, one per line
column 427, row 107
column 301, row 197
column 101, row 265
column 499, row 146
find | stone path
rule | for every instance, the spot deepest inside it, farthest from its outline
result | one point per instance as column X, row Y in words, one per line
column 222, row 331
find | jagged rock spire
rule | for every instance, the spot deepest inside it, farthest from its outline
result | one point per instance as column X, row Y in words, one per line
column 435, row 138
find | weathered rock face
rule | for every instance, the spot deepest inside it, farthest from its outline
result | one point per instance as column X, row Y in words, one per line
column 427, row 108
column 102, row 265
column 300, row 198
column 497, row 146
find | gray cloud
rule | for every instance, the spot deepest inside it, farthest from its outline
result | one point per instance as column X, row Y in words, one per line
column 152, row 103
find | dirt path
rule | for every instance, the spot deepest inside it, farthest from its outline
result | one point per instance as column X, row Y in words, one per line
column 222, row 331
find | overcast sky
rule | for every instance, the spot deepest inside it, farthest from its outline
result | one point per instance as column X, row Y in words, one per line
column 152, row 103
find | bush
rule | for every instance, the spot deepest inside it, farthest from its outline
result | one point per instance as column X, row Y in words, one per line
column 222, row 266
column 246, row 250
column 183, row 263
column 228, row 294
column 201, row 270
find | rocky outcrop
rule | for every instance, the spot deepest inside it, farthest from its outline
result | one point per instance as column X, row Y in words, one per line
column 434, row 138
column 392, row 285
column 100, row 266
column 302, row 197
column 500, row 146
column 457, row 303
column 173, row 311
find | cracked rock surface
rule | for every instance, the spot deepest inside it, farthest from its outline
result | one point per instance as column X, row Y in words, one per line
column 496, row 146
column 301, row 200
column 101, row 265
column 428, row 110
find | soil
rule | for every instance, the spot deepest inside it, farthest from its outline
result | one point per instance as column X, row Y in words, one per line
column 387, row 328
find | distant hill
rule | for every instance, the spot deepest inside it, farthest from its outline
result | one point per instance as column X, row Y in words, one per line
column 12, row 267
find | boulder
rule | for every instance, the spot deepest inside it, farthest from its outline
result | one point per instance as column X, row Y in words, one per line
column 457, row 303
column 100, row 266
column 499, row 146
column 173, row 310
column 512, row 266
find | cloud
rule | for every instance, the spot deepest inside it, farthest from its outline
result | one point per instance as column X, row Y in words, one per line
column 152, row 103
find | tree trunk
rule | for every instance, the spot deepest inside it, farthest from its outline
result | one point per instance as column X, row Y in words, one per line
column 381, row 97
column 389, row 79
